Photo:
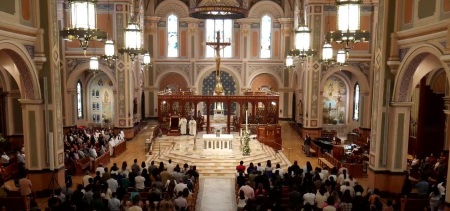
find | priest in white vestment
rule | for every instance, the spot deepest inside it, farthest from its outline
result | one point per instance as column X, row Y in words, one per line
column 192, row 127
column 111, row 145
column 183, row 124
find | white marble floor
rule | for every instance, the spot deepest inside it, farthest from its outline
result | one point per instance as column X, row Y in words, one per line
column 216, row 194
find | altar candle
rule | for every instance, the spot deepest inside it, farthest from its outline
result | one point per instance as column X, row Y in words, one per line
column 246, row 121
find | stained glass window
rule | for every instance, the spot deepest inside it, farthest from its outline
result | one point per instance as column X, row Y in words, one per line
column 226, row 29
column 79, row 100
column 172, row 36
column 356, row 102
column 266, row 32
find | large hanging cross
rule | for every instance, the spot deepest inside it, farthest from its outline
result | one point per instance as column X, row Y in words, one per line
column 217, row 46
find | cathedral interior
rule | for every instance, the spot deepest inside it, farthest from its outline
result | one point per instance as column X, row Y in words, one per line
column 385, row 75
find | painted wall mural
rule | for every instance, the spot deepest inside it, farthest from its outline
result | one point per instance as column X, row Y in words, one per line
column 335, row 98
column 101, row 97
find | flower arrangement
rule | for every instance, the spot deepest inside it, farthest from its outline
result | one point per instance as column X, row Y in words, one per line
column 2, row 139
column 105, row 119
column 246, row 148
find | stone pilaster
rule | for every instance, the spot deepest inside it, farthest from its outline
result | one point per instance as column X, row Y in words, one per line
column 150, row 43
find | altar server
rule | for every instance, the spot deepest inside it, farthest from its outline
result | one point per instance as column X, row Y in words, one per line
column 192, row 127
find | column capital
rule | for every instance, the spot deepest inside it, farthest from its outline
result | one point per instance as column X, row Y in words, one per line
column 401, row 104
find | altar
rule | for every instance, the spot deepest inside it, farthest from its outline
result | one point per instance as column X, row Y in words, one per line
column 223, row 142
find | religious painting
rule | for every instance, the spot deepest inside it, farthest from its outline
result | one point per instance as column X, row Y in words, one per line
column 335, row 99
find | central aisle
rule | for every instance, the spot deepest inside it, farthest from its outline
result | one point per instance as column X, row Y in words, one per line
column 217, row 194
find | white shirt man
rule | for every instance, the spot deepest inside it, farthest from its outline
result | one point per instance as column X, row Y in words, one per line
column 309, row 198
column 122, row 135
column 92, row 153
column 348, row 187
column 5, row 159
column 140, row 182
column 112, row 184
column 170, row 166
column 20, row 157
column 100, row 169
column 248, row 191
column 86, row 178
column 180, row 187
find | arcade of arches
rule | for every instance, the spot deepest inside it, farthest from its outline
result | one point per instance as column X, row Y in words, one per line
column 394, row 90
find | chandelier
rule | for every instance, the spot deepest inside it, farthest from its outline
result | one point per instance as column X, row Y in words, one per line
column 146, row 60
column 83, row 23
column 289, row 62
column 132, row 41
column 110, row 51
column 348, row 32
column 93, row 64
column 302, row 46
column 218, row 9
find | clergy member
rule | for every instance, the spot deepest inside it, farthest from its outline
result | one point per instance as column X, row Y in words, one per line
column 183, row 124
column 192, row 127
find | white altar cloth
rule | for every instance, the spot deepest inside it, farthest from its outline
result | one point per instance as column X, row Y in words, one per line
column 223, row 142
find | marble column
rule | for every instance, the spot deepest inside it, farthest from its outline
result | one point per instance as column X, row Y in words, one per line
column 388, row 165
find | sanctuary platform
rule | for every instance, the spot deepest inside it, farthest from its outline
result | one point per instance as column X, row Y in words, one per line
column 212, row 162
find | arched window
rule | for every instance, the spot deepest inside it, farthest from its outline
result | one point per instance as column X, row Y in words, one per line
column 172, row 36
column 79, row 100
column 226, row 29
column 356, row 103
column 266, row 32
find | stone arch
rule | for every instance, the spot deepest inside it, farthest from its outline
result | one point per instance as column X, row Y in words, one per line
column 418, row 62
column 5, row 79
column 24, row 71
column 360, row 77
column 162, row 73
column 266, row 7
column 266, row 79
column 437, row 80
column 207, row 70
column 258, row 72
column 173, row 78
column 172, row 6
column 75, row 74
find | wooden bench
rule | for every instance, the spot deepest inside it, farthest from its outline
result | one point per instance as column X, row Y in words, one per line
column 82, row 165
column 15, row 203
column 9, row 172
column 324, row 162
column 103, row 159
column 119, row 148
column 329, row 161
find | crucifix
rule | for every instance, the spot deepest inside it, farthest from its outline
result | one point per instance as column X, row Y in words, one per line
column 217, row 46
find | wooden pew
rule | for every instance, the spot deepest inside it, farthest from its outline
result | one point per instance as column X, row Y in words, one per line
column 355, row 169
column 329, row 160
column 315, row 150
column 82, row 165
column 18, row 203
column 103, row 159
column 9, row 172
column 414, row 204
column 119, row 148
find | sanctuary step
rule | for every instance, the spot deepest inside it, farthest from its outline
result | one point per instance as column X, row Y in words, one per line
column 213, row 163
